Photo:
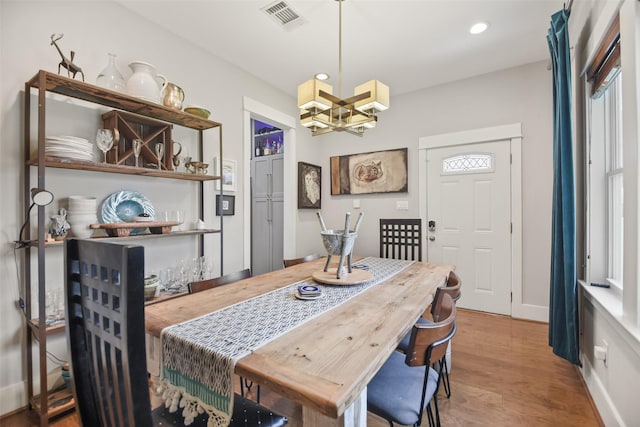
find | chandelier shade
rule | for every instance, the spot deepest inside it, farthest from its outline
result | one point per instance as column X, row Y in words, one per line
column 323, row 112
column 378, row 99
column 309, row 95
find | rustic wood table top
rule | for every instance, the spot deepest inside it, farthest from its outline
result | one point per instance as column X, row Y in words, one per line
column 325, row 363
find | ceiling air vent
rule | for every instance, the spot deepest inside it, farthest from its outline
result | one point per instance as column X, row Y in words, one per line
column 284, row 15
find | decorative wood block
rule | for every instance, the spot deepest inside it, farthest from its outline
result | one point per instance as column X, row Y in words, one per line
column 123, row 229
column 131, row 126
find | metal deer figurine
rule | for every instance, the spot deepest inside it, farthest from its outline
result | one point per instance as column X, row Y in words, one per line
column 72, row 69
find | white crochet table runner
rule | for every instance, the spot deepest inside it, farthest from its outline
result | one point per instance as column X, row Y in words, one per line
column 199, row 356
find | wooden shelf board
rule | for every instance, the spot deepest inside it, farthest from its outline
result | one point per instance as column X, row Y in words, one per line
column 58, row 402
column 50, row 330
column 88, row 92
column 34, row 243
column 122, row 169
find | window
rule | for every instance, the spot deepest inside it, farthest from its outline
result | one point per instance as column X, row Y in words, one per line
column 605, row 182
column 605, row 186
column 467, row 163
column 613, row 153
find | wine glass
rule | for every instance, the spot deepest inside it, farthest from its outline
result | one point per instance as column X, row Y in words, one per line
column 104, row 141
column 137, row 146
column 159, row 153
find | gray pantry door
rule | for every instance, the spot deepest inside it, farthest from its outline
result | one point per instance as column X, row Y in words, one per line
column 267, row 213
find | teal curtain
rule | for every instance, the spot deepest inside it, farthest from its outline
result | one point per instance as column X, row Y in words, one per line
column 563, row 305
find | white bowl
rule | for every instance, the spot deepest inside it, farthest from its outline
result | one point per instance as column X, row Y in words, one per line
column 81, row 202
column 81, row 231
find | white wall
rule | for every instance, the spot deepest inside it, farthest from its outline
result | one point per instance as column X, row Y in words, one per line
column 521, row 94
column 94, row 29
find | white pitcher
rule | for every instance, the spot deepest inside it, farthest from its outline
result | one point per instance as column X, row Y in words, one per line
column 145, row 82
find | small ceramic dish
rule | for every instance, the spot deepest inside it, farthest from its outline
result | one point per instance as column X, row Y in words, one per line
column 198, row 111
column 307, row 297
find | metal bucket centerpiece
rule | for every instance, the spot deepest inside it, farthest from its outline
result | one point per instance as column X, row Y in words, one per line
column 340, row 242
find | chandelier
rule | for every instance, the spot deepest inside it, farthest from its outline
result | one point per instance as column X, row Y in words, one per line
column 322, row 112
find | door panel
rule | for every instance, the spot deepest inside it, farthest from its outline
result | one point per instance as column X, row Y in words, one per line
column 267, row 213
column 469, row 200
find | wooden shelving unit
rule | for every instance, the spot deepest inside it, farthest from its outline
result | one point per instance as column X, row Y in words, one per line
column 51, row 162
column 51, row 403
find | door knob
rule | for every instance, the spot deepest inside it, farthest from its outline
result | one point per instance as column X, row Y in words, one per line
column 432, row 238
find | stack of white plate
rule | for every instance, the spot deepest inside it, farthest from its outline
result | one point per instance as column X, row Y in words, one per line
column 82, row 212
column 68, row 147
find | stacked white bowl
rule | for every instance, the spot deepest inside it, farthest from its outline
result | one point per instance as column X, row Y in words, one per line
column 82, row 212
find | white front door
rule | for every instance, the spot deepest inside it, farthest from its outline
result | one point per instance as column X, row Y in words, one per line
column 469, row 220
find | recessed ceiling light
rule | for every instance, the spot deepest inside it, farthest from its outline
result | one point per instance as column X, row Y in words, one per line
column 478, row 28
column 322, row 76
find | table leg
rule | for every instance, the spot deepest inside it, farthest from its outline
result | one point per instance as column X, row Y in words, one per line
column 354, row 416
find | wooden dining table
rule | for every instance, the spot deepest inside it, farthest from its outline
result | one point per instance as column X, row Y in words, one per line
column 325, row 363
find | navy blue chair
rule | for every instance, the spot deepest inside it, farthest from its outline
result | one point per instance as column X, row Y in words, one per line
column 401, row 239
column 104, row 289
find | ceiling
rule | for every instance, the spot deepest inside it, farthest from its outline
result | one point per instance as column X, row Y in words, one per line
column 407, row 44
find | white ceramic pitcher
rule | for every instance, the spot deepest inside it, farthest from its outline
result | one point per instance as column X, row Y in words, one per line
column 145, row 82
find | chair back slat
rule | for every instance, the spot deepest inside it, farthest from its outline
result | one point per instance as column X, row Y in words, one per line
column 104, row 288
column 428, row 340
column 202, row 285
column 295, row 261
column 436, row 306
column 234, row 277
column 401, row 239
column 218, row 281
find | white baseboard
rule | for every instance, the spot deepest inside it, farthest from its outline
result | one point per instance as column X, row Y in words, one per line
column 539, row 313
column 607, row 410
column 14, row 396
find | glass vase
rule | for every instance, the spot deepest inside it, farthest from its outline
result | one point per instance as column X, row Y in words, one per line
column 110, row 77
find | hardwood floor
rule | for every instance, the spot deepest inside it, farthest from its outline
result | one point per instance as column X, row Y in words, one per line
column 503, row 374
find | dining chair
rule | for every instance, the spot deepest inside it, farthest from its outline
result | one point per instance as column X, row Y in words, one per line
column 406, row 385
column 401, row 239
column 202, row 285
column 104, row 293
column 295, row 261
column 453, row 288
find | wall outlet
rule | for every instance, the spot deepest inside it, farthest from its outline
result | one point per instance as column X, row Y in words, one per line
column 600, row 352
column 402, row 205
column 356, row 203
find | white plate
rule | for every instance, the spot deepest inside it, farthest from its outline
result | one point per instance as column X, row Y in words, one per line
column 68, row 149
column 70, row 155
column 73, row 138
column 70, row 144
column 67, row 138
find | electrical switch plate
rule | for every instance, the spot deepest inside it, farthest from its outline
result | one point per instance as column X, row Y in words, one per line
column 600, row 352
column 356, row 203
column 402, row 205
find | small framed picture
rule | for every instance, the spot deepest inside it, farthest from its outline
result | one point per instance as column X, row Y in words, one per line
column 228, row 174
column 227, row 205
column 309, row 186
